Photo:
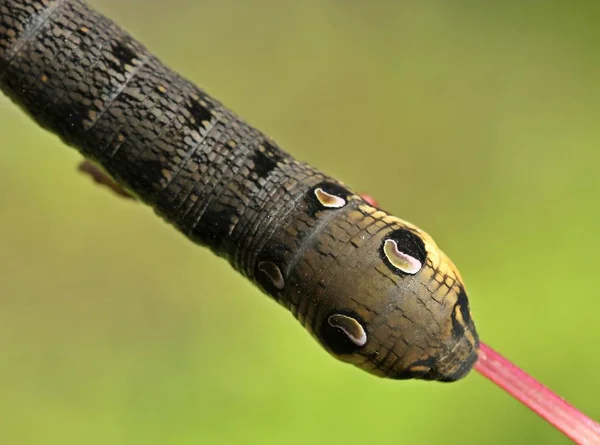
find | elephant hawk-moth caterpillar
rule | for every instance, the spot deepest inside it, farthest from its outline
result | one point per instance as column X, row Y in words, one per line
column 373, row 289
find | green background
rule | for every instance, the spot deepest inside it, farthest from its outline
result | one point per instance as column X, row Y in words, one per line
column 477, row 121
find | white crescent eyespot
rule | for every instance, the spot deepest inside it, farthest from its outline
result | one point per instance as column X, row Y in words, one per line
column 273, row 272
column 328, row 200
column 352, row 328
column 402, row 261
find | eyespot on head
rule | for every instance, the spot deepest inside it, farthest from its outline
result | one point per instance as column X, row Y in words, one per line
column 404, row 252
column 272, row 272
column 343, row 333
column 328, row 195
column 404, row 315
column 400, row 260
column 329, row 200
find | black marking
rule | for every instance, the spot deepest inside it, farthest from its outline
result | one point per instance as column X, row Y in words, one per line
column 462, row 370
column 198, row 112
column 274, row 251
column 71, row 115
column 458, row 330
column 270, row 147
column 335, row 338
column 123, row 53
column 149, row 173
column 265, row 162
column 409, row 243
column 407, row 373
column 214, row 225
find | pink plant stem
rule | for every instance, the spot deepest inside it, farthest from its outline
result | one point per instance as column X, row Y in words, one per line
column 573, row 423
column 531, row 393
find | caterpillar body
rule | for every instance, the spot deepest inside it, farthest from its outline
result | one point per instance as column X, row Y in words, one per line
column 374, row 290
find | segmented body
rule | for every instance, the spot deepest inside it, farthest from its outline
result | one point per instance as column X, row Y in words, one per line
column 373, row 289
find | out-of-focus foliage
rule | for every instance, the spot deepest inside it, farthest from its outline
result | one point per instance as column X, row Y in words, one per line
column 477, row 121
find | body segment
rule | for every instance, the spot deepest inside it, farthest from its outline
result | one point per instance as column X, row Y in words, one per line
column 373, row 289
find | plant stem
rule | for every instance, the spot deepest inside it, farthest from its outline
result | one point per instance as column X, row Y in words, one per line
column 531, row 393
column 541, row 400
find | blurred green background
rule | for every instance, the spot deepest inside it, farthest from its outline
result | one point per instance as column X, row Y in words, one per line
column 477, row 121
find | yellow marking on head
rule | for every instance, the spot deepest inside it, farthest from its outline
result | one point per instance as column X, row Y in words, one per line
column 44, row 78
column 419, row 368
column 162, row 89
column 461, row 321
column 439, row 260
column 84, row 29
column 121, row 137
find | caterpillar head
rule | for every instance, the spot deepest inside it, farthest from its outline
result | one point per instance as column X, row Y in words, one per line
column 374, row 290
column 404, row 313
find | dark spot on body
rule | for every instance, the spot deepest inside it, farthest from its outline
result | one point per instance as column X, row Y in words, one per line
column 70, row 116
column 269, row 146
column 213, row 228
column 144, row 177
column 123, row 53
column 198, row 112
column 265, row 162
column 150, row 172
column 119, row 56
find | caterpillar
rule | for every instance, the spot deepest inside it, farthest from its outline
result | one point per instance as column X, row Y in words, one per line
column 374, row 290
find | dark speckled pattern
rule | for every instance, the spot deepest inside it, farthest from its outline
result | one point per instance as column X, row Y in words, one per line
column 227, row 186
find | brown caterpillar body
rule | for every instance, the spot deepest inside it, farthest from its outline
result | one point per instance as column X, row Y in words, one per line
column 374, row 290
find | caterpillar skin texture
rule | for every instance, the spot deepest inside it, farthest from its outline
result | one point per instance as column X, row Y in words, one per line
column 373, row 289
